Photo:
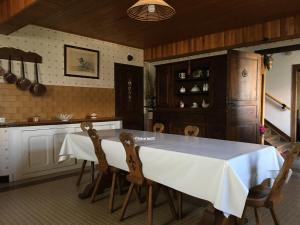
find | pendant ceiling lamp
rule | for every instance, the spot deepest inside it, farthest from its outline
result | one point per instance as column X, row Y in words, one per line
column 151, row 10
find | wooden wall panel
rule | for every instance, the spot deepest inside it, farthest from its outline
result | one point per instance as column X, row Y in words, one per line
column 182, row 46
column 18, row 106
column 287, row 26
column 197, row 44
column 213, row 41
column 253, row 33
column 10, row 8
column 233, row 37
column 280, row 29
column 271, row 29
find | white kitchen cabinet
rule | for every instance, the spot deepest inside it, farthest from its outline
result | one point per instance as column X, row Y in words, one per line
column 4, row 156
column 37, row 150
column 34, row 151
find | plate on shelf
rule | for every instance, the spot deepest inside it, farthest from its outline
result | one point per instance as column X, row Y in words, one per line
column 195, row 89
column 197, row 74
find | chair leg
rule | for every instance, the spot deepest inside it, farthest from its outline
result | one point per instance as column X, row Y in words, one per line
column 81, row 173
column 96, row 187
column 92, row 171
column 112, row 193
column 150, row 204
column 137, row 193
column 274, row 216
column 119, row 185
column 156, row 194
column 220, row 219
column 243, row 220
column 170, row 201
column 126, row 201
column 179, row 202
column 257, row 217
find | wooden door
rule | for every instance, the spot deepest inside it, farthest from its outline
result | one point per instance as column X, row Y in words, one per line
column 243, row 96
column 129, row 92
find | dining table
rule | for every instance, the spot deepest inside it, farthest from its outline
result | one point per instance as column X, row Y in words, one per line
column 218, row 171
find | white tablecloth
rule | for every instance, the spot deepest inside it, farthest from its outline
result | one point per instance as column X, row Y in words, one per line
column 218, row 171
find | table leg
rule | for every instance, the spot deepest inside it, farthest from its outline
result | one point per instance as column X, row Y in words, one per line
column 81, row 173
column 212, row 216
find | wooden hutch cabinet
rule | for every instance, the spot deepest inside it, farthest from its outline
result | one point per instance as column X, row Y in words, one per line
column 220, row 94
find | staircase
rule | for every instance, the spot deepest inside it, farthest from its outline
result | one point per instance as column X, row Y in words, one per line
column 281, row 141
column 277, row 138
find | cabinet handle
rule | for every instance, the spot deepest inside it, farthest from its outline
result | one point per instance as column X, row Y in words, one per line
column 230, row 104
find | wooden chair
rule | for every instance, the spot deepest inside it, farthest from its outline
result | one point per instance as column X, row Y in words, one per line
column 262, row 196
column 84, row 127
column 137, row 179
column 158, row 127
column 191, row 131
column 103, row 167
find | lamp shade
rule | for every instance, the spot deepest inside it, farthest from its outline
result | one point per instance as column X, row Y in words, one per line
column 151, row 10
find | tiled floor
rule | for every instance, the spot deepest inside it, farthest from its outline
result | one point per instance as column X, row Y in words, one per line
column 56, row 203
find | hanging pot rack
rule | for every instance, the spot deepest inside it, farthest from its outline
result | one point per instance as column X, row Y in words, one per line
column 19, row 55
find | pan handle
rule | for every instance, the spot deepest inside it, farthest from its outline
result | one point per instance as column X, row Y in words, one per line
column 9, row 64
column 36, row 72
column 22, row 68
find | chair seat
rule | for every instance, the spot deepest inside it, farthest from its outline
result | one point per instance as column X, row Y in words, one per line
column 257, row 196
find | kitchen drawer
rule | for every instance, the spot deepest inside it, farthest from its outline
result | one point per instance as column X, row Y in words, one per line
column 3, row 135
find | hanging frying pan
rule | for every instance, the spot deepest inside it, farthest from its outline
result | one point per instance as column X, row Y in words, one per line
column 36, row 88
column 9, row 77
column 2, row 71
column 23, row 83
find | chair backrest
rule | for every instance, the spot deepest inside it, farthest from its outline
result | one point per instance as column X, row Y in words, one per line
column 275, row 193
column 103, row 164
column 191, row 131
column 158, row 127
column 132, row 158
column 85, row 126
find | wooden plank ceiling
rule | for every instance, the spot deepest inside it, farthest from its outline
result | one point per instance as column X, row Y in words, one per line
column 107, row 19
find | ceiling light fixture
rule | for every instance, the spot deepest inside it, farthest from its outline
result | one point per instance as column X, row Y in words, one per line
column 151, row 10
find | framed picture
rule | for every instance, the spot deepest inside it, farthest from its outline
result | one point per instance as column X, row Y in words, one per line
column 81, row 62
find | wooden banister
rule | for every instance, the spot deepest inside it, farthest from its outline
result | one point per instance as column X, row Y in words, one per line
column 283, row 105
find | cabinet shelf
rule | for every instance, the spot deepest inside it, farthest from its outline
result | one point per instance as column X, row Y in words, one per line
column 193, row 79
column 192, row 93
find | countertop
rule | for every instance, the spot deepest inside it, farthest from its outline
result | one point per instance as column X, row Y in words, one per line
column 56, row 122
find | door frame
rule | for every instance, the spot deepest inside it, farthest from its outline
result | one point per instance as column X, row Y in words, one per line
column 295, row 79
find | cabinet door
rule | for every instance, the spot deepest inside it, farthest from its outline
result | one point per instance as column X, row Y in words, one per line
column 38, row 150
column 163, row 86
column 243, row 96
column 58, row 139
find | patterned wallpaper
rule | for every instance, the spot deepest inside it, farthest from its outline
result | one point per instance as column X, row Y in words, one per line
column 78, row 96
column 50, row 45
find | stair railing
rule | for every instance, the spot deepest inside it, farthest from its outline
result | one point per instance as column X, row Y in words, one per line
column 283, row 105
